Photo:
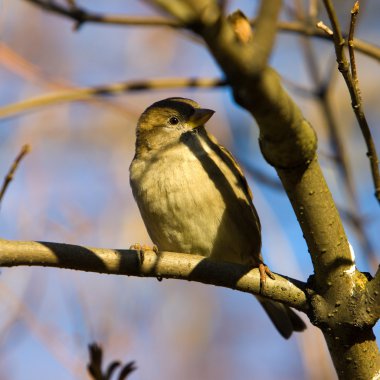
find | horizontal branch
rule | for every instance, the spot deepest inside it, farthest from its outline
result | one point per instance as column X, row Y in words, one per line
column 81, row 16
column 85, row 93
column 163, row 265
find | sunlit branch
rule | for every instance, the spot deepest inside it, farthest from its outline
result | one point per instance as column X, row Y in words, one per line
column 149, row 264
column 354, row 16
column 356, row 102
column 85, row 93
column 321, row 92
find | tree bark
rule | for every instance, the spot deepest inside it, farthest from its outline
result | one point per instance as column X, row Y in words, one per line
column 288, row 143
column 150, row 264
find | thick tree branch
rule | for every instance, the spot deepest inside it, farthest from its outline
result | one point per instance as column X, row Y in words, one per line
column 288, row 142
column 164, row 265
column 265, row 33
column 373, row 295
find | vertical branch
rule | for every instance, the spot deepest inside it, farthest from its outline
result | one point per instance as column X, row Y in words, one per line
column 354, row 16
column 313, row 9
column 357, row 106
column 265, row 33
column 322, row 90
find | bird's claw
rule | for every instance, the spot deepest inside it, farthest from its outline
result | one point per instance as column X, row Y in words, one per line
column 264, row 271
column 142, row 249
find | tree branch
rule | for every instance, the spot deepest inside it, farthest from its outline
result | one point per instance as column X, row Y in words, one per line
column 9, row 177
column 353, row 89
column 265, row 33
column 95, row 365
column 354, row 16
column 149, row 264
column 288, row 143
column 83, row 16
column 334, row 299
column 110, row 89
column 321, row 91
column 373, row 295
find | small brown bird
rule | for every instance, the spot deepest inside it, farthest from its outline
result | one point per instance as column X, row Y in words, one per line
column 193, row 196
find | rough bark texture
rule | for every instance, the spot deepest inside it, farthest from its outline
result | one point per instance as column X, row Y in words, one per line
column 288, row 142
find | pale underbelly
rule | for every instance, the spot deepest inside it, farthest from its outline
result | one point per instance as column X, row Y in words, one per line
column 185, row 210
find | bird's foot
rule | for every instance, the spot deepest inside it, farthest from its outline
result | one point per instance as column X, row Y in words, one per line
column 142, row 249
column 264, row 271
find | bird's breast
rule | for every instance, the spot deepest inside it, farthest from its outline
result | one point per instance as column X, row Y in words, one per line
column 189, row 203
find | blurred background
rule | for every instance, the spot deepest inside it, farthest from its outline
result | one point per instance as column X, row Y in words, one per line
column 73, row 187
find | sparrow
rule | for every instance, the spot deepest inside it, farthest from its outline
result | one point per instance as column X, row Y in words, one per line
column 193, row 196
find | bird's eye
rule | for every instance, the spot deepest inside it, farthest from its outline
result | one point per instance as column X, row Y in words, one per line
column 173, row 120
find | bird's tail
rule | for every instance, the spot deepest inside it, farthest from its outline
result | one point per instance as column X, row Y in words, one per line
column 283, row 317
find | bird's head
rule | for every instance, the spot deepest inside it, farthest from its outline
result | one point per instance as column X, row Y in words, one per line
column 166, row 121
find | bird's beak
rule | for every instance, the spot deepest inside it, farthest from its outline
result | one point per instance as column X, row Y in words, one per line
column 200, row 117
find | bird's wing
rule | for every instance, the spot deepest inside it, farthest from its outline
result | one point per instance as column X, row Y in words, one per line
column 229, row 159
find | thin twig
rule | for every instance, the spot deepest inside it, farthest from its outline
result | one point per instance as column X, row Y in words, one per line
column 336, row 140
column 357, row 106
column 321, row 93
column 8, row 178
column 95, row 365
column 364, row 47
column 83, row 16
column 321, row 25
column 354, row 16
column 111, row 89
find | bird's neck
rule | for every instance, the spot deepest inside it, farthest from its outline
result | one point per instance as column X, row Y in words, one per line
column 151, row 143
column 148, row 142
